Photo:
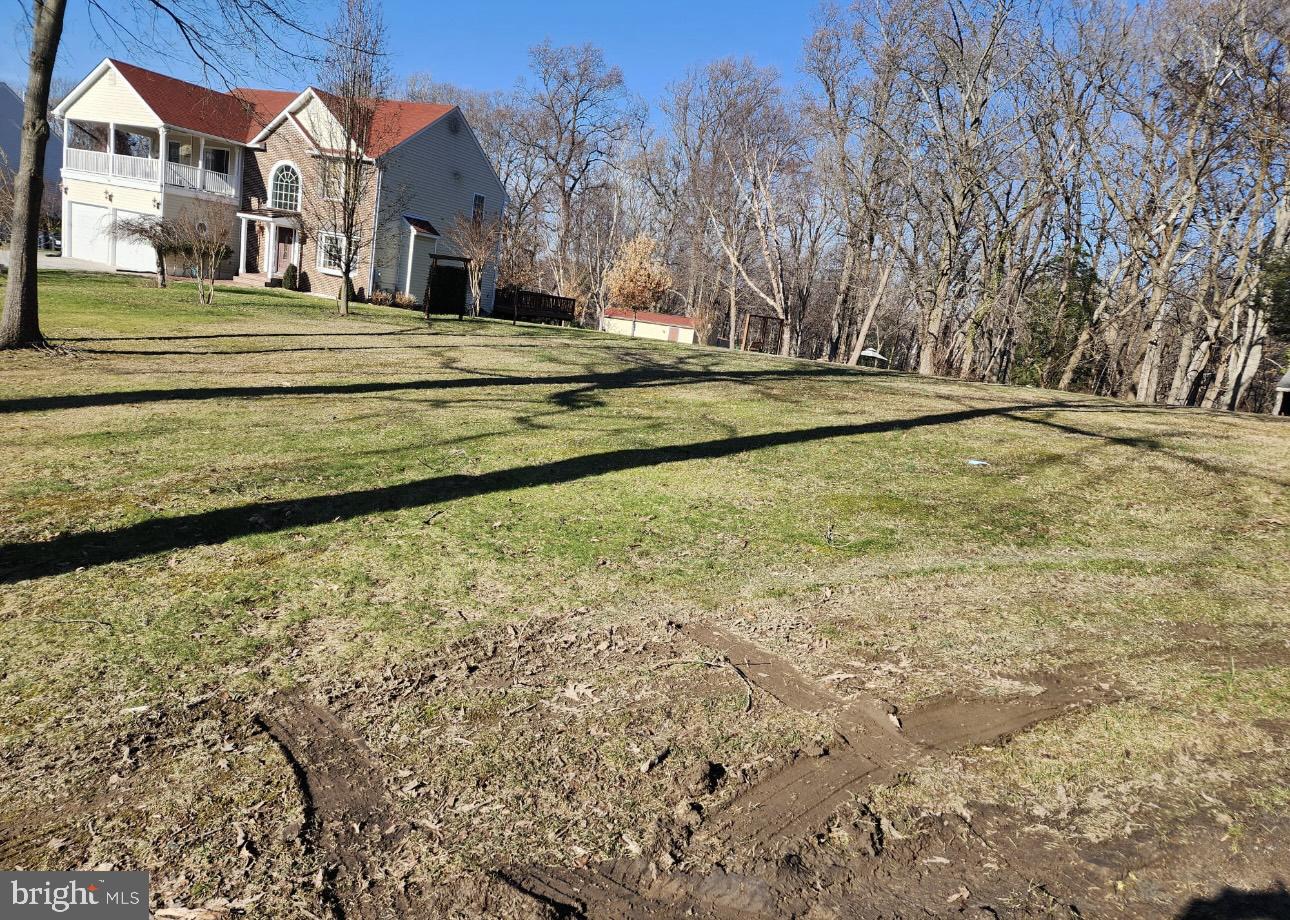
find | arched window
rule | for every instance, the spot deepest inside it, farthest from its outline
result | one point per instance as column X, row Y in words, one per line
column 284, row 190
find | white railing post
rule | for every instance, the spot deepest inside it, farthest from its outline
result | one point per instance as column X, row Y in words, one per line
column 201, row 163
column 111, row 148
column 163, row 157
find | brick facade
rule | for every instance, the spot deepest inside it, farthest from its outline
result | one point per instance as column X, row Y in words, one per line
column 287, row 144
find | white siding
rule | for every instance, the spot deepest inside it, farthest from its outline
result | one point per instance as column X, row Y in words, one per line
column 435, row 175
column 321, row 124
column 111, row 99
column 120, row 196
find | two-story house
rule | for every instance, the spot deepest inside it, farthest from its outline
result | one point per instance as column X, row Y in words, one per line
column 259, row 167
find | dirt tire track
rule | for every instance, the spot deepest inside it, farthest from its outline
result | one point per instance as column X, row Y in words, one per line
column 347, row 819
column 772, row 820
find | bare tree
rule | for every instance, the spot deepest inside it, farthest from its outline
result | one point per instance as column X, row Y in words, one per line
column 476, row 240
column 150, row 231
column 354, row 84
column 579, row 116
column 20, row 324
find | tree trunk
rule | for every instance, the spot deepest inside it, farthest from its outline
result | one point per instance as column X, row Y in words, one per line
column 20, row 326
column 734, row 307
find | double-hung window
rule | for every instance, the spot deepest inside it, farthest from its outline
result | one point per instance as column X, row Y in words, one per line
column 331, row 252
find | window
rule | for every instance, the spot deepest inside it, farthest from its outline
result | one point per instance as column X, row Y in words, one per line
column 179, row 152
column 332, row 179
column 331, row 252
column 217, row 159
column 284, row 189
column 479, row 209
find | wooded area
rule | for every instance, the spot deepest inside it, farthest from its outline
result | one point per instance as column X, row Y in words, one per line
column 1092, row 197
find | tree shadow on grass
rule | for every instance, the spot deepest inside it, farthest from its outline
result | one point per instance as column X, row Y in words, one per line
column 660, row 375
column 70, row 552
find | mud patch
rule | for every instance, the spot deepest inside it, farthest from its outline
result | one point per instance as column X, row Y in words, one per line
column 347, row 820
column 769, row 852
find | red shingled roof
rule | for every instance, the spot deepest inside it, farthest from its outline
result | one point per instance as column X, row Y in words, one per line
column 645, row 316
column 243, row 113
column 397, row 121
column 394, row 122
column 187, row 105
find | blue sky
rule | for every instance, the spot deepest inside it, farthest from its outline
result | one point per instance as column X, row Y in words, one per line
column 484, row 44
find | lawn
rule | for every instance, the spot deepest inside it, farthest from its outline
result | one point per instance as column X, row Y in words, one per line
column 473, row 542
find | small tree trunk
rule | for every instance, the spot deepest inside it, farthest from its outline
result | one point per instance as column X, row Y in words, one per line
column 20, row 324
column 734, row 309
column 161, row 269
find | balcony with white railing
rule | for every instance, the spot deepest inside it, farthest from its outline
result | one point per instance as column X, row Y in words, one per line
column 90, row 161
column 194, row 178
column 117, row 151
column 132, row 154
column 142, row 169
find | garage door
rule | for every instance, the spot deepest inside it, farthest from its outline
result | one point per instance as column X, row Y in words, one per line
column 133, row 256
column 90, row 239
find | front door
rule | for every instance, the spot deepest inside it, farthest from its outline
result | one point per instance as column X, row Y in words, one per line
column 286, row 249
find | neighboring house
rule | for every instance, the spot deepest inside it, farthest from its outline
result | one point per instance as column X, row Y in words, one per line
column 11, row 109
column 256, row 163
column 643, row 324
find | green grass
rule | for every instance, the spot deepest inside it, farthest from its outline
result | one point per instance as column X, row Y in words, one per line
column 556, row 473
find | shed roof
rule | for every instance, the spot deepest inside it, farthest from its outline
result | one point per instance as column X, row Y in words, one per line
column 646, row 316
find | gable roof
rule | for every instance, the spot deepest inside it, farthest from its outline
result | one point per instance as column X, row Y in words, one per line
column 397, row 121
column 244, row 114
column 393, row 122
column 196, row 108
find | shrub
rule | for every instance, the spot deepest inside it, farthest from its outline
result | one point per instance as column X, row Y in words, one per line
column 382, row 298
column 405, row 300
column 291, row 278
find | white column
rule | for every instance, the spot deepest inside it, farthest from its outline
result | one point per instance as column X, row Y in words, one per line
column 241, row 260
column 111, row 148
column 162, row 156
column 201, row 162
column 271, row 257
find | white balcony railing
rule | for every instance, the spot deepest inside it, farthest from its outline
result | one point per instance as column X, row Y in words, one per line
column 181, row 175
column 128, row 167
column 219, row 184
column 143, row 169
column 90, row 161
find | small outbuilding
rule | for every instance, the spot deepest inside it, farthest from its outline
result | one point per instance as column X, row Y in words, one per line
column 643, row 324
column 1281, row 400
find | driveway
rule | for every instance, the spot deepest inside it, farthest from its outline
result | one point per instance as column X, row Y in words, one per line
column 45, row 260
